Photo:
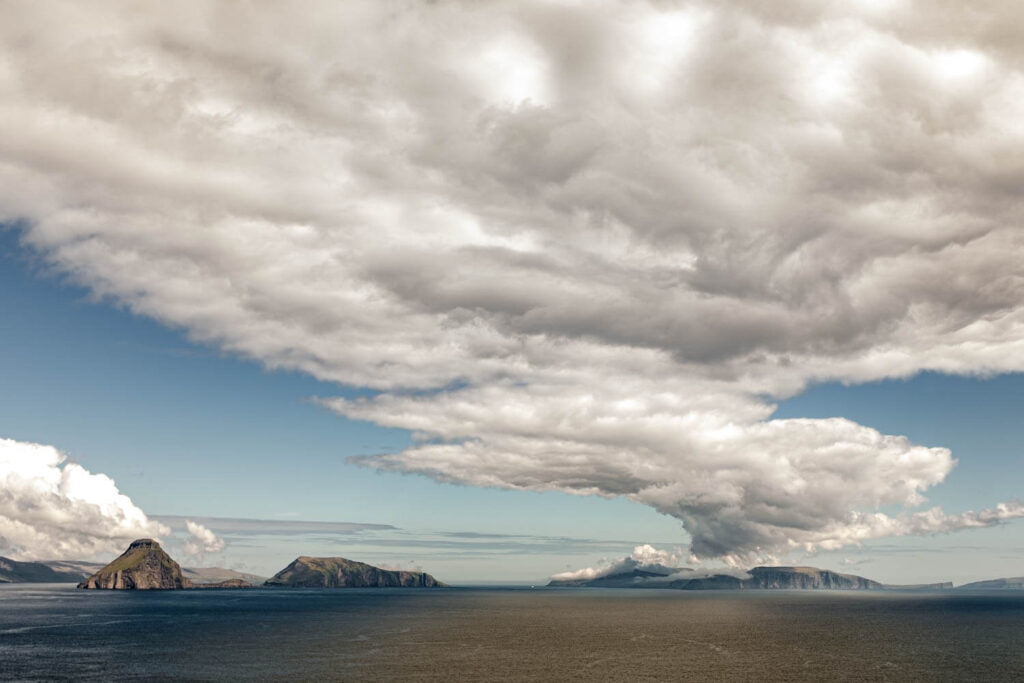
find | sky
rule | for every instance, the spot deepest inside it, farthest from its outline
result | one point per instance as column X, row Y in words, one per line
column 502, row 290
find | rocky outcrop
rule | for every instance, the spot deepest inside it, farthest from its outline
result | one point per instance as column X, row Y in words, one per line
column 338, row 572
column 143, row 566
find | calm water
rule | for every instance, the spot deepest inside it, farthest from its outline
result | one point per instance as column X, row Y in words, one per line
column 56, row 632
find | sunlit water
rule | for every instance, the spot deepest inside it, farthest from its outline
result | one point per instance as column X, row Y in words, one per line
column 56, row 632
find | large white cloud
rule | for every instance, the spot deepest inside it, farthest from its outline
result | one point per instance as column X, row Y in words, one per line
column 54, row 509
column 644, row 557
column 576, row 247
column 202, row 540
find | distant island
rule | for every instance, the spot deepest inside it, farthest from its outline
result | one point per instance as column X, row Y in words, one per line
column 13, row 571
column 338, row 572
column 1013, row 584
column 758, row 578
column 145, row 565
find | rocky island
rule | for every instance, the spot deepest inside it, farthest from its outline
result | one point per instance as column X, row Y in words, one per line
column 143, row 566
column 758, row 578
column 146, row 566
column 338, row 572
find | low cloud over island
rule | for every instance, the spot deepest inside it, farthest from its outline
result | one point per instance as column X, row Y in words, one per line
column 569, row 249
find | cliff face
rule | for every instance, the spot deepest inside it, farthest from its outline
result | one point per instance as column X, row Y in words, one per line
column 337, row 572
column 143, row 566
column 781, row 578
column 807, row 578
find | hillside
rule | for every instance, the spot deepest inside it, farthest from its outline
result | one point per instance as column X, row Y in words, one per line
column 199, row 576
column 12, row 571
column 1013, row 584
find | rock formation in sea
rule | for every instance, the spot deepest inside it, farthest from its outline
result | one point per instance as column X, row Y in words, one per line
column 143, row 566
column 338, row 572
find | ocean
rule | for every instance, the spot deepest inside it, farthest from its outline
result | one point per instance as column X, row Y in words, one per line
column 54, row 632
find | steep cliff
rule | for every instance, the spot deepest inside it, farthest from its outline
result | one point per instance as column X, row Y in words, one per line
column 338, row 572
column 780, row 578
column 143, row 566
column 807, row 578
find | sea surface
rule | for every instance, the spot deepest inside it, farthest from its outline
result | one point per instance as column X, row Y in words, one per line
column 54, row 632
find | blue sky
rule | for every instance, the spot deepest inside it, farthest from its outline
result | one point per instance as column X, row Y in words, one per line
column 516, row 287
column 186, row 430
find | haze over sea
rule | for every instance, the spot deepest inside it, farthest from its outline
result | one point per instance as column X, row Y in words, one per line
column 50, row 632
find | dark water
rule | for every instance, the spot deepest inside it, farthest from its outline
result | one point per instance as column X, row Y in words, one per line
column 56, row 632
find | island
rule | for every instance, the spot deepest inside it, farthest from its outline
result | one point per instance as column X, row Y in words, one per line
column 758, row 578
column 147, row 566
column 339, row 572
column 143, row 566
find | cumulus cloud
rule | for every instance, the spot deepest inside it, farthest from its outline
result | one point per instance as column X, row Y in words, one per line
column 570, row 249
column 665, row 565
column 54, row 509
column 644, row 558
column 202, row 540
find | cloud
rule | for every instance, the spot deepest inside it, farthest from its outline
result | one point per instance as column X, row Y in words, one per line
column 54, row 509
column 571, row 250
column 644, row 558
column 667, row 565
column 202, row 540
column 236, row 526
